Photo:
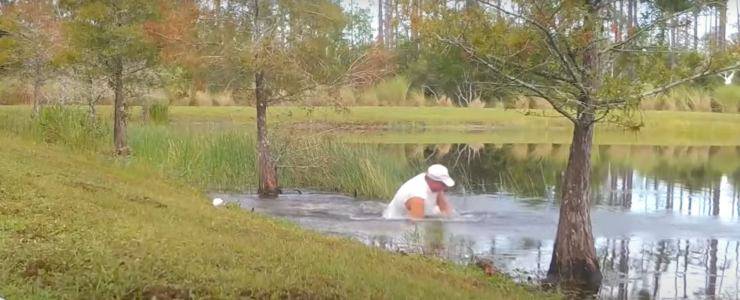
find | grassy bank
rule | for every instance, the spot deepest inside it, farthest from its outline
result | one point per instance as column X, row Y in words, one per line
column 215, row 157
column 221, row 155
column 436, row 116
column 78, row 227
column 551, row 136
column 450, row 117
column 450, row 125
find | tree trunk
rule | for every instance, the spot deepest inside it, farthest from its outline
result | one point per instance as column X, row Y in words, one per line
column 388, row 19
column 381, row 31
column 737, row 11
column 624, row 268
column 574, row 263
column 711, row 289
column 696, row 29
column 119, row 115
column 37, row 83
column 627, row 190
column 92, row 99
column 716, row 191
column 268, row 184
column 721, row 41
column 672, row 44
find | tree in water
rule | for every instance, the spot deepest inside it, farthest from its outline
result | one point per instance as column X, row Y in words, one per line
column 562, row 52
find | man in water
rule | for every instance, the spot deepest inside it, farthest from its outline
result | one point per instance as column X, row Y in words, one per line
column 423, row 195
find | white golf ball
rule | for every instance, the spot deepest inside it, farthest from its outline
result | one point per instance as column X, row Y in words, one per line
column 218, row 201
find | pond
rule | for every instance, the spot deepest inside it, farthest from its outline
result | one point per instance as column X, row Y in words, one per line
column 665, row 217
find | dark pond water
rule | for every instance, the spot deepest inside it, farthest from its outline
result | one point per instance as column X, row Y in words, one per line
column 666, row 219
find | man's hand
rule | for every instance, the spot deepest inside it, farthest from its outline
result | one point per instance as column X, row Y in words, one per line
column 444, row 204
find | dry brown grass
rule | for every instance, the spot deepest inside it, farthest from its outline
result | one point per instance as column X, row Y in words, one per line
column 539, row 103
column 445, row 101
column 477, row 103
column 416, row 98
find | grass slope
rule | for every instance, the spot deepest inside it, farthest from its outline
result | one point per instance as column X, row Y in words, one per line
column 77, row 227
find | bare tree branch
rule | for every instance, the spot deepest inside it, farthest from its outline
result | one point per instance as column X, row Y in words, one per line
column 706, row 72
column 539, row 92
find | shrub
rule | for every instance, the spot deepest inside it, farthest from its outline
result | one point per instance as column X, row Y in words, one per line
column 728, row 97
column 392, row 92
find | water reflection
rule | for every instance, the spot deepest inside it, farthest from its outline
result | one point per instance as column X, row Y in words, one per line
column 534, row 169
column 669, row 268
column 665, row 218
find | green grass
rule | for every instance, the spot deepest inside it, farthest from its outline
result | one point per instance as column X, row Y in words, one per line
column 663, row 126
column 490, row 125
column 223, row 158
column 728, row 97
column 221, row 155
column 551, row 136
column 429, row 117
column 81, row 227
column 227, row 161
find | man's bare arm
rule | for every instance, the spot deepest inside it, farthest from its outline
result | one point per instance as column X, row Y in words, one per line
column 444, row 204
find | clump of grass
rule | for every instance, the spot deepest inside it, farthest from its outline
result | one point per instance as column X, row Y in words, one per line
column 367, row 97
column 224, row 161
column 416, row 98
column 539, row 103
column 517, row 102
column 444, row 101
column 362, row 170
column 680, row 99
column 223, row 98
column 14, row 91
column 70, row 126
column 477, row 103
column 227, row 161
column 201, row 98
column 158, row 113
column 347, row 96
column 728, row 96
column 393, row 91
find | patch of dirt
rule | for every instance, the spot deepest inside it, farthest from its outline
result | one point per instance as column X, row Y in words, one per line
column 86, row 186
column 146, row 200
column 35, row 268
column 292, row 293
column 160, row 292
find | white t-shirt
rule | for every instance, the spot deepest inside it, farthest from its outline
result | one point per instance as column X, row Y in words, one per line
column 415, row 187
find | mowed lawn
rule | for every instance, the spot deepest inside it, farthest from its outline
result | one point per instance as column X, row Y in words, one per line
column 87, row 227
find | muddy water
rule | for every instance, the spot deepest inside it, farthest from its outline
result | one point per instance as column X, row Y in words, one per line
column 666, row 219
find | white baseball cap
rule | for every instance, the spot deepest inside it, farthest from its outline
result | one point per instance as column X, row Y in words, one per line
column 439, row 173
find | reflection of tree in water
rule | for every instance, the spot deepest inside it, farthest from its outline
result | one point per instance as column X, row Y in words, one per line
column 533, row 170
column 670, row 268
column 521, row 169
column 683, row 179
